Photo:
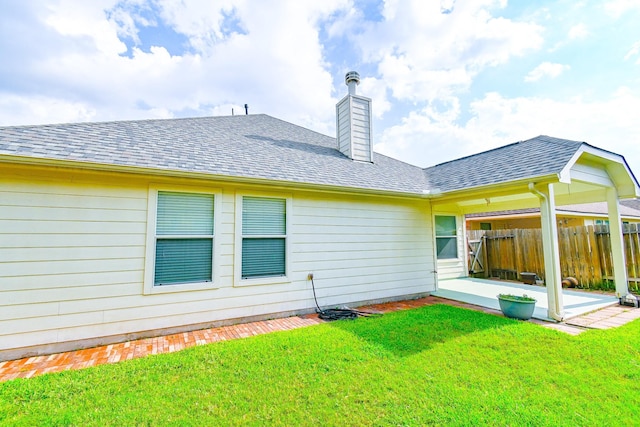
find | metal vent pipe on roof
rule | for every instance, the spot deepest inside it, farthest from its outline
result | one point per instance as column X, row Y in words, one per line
column 352, row 79
column 246, row 109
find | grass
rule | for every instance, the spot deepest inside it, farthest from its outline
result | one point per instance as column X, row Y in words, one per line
column 437, row 365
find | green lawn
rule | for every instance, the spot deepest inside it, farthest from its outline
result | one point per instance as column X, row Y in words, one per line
column 437, row 365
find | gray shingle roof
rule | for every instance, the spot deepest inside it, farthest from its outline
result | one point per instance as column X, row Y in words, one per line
column 248, row 146
column 632, row 203
column 263, row 147
column 539, row 156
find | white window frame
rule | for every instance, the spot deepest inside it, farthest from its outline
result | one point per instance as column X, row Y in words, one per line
column 456, row 236
column 239, row 281
column 149, row 287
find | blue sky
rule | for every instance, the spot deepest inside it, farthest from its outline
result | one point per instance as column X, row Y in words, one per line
column 447, row 78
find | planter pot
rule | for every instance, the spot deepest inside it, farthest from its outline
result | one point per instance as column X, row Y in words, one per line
column 517, row 307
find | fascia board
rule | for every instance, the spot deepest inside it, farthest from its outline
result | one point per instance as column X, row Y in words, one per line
column 610, row 160
column 276, row 184
column 506, row 188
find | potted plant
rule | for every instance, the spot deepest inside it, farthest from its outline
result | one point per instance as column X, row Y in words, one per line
column 517, row 306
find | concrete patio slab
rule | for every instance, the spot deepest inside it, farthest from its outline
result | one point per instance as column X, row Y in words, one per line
column 484, row 292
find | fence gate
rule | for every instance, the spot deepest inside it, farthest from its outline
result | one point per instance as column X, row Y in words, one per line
column 476, row 255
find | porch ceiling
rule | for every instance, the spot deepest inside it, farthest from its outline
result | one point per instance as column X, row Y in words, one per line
column 518, row 196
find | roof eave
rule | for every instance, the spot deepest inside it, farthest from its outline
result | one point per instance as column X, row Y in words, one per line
column 499, row 187
column 173, row 173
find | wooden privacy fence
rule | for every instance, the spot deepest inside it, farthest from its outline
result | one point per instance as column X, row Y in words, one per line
column 585, row 253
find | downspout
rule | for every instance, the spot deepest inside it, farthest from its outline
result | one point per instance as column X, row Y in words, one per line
column 555, row 309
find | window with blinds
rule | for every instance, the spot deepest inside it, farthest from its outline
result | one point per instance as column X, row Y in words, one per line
column 184, row 238
column 264, row 237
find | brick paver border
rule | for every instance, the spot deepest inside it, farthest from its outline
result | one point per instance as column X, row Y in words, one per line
column 113, row 353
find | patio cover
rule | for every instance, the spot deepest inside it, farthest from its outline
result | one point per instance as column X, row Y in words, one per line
column 541, row 172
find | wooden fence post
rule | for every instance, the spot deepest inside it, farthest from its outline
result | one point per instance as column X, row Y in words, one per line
column 596, row 259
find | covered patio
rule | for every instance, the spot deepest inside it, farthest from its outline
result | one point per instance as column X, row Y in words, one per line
column 542, row 172
column 484, row 292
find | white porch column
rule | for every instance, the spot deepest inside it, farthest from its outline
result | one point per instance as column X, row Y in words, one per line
column 551, row 250
column 617, row 244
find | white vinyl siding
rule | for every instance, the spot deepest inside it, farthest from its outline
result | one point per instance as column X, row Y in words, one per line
column 353, row 127
column 76, row 257
column 65, row 248
column 361, row 129
column 343, row 125
column 360, row 249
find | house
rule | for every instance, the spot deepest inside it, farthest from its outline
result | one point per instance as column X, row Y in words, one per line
column 117, row 230
column 580, row 215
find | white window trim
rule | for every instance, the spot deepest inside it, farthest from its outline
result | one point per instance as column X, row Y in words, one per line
column 150, row 253
column 238, row 280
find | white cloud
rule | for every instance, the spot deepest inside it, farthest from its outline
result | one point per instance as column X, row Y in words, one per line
column 239, row 56
column 423, row 141
column 278, row 69
column 85, row 20
column 546, row 69
column 42, row 109
column 578, row 31
column 634, row 51
column 71, row 63
column 129, row 15
column 377, row 91
column 447, row 6
column 611, row 124
column 617, row 8
column 423, row 53
column 202, row 21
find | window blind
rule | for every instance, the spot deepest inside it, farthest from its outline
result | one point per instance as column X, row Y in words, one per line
column 183, row 261
column 263, row 257
column 184, row 214
column 264, row 228
column 179, row 257
column 263, row 216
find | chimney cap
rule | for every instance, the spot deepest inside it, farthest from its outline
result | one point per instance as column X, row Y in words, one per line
column 352, row 76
